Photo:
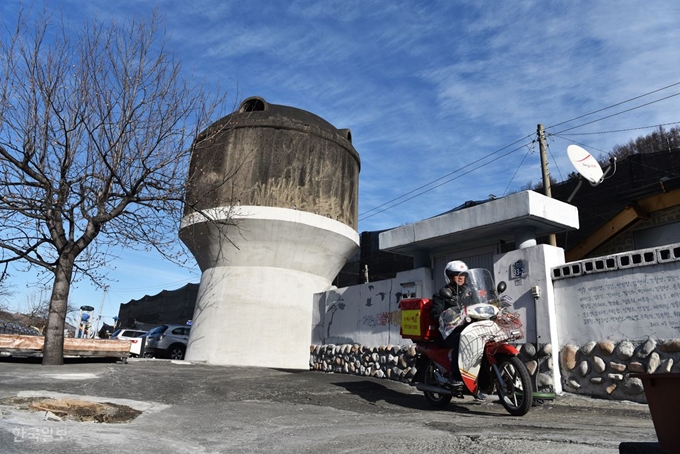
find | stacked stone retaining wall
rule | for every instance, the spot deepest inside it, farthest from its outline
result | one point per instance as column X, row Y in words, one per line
column 397, row 362
column 607, row 369
column 602, row 369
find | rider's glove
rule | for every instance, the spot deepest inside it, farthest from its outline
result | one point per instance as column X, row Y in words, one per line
column 505, row 301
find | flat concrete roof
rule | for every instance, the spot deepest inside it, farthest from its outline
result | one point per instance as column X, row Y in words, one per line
column 518, row 215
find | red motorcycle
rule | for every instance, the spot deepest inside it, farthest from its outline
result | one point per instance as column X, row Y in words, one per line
column 487, row 362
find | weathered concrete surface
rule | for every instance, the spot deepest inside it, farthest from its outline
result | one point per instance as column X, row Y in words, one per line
column 270, row 216
column 193, row 408
column 276, row 156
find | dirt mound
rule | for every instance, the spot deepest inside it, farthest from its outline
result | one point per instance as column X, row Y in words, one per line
column 76, row 409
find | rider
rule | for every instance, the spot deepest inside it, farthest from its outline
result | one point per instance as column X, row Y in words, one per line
column 447, row 304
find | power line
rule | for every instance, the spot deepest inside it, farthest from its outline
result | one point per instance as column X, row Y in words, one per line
column 555, row 161
column 618, row 113
column 620, row 130
column 377, row 210
column 451, row 179
column 529, row 150
column 577, row 143
column 363, row 215
column 615, row 105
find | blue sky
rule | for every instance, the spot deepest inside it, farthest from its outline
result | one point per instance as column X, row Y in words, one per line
column 427, row 88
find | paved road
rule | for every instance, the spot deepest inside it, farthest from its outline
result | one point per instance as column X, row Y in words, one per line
column 195, row 408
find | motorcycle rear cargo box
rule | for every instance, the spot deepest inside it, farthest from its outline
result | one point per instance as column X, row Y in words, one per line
column 416, row 319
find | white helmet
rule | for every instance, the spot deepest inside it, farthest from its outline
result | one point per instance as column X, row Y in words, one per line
column 453, row 268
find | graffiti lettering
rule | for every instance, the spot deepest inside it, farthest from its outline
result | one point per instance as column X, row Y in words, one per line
column 382, row 319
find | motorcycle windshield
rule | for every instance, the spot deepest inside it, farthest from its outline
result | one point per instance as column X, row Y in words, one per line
column 480, row 287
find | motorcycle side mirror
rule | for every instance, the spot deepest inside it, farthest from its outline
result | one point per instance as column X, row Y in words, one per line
column 446, row 293
column 501, row 287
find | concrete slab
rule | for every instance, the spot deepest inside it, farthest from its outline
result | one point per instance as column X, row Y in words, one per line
column 521, row 215
column 194, row 408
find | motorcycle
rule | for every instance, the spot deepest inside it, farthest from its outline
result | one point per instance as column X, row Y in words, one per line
column 487, row 362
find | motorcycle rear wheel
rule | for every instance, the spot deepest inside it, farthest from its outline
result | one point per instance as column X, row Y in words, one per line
column 435, row 399
column 518, row 395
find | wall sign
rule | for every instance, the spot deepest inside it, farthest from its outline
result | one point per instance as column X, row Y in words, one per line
column 519, row 269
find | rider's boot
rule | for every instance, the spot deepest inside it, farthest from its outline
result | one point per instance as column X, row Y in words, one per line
column 455, row 379
column 455, row 383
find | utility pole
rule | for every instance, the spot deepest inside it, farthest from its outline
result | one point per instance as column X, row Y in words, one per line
column 101, row 309
column 546, row 173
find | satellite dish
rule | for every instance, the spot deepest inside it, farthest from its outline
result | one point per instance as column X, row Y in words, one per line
column 585, row 164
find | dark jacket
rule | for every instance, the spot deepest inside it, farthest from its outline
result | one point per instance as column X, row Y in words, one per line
column 440, row 302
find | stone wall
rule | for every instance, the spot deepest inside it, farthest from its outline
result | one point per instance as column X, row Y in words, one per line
column 603, row 369
column 397, row 362
column 608, row 369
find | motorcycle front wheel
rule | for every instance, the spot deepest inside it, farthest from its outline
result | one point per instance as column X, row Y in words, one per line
column 435, row 399
column 516, row 391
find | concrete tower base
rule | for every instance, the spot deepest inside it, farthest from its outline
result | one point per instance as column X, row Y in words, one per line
column 254, row 305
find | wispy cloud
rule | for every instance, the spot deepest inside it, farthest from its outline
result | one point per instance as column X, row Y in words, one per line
column 430, row 87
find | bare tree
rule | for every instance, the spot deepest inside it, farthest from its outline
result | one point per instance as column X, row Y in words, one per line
column 36, row 309
column 5, row 290
column 4, row 281
column 96, row 131
column 659, row 140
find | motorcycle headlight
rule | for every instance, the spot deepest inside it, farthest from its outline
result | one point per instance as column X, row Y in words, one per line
column 484, row 311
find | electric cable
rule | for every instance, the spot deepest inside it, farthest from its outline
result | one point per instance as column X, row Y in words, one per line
column 615, row 105
column 590, row 147
column 530, row 149
column 619, row 113
column 152, row 287
column 620, row 130
column 361, row 216
column 555, row 161
column 449, row 180
column 376, row 210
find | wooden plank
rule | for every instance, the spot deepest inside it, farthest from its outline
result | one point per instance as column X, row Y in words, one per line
column 72, row 346
column 661, row 201
column 21, row 342
column 621, row 221
column 610, row 229
column 107, row 345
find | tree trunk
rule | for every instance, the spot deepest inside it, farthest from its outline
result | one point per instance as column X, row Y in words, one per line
column 53, row 351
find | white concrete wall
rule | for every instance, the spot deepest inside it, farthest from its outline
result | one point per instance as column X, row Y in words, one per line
column 618, row 316
column 535, row 312
column 367, row 314
column 630, row 296
column 538, row 314
column 600, row 321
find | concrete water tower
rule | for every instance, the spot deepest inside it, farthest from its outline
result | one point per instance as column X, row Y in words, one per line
column 271, row 217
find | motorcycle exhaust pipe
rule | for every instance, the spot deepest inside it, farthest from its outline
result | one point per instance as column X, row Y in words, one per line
column 433, row 389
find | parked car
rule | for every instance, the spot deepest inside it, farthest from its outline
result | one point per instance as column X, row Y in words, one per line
column 167, row 341
column 137, row 344
column 134, row 336
column 125, row 334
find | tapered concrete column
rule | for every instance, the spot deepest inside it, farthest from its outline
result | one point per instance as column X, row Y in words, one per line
column 254, row 306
